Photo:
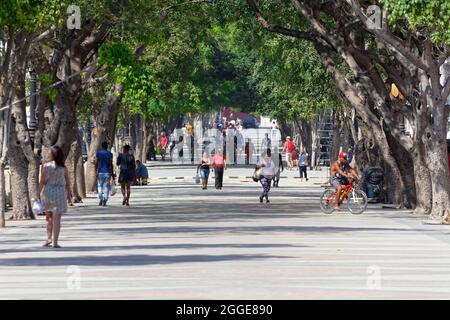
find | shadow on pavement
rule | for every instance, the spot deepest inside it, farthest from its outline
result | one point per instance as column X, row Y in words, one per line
column 128, row 260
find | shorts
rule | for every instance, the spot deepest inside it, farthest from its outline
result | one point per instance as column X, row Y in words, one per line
column 204, row 173
column 338, row 181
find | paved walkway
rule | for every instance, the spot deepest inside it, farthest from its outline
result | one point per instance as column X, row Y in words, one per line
column 179, row 242
column 159, row 170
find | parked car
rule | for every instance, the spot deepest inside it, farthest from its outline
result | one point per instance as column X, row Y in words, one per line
column 249, row 123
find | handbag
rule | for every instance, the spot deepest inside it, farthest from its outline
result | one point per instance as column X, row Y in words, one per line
column 197, row 179
column 37, row 208
column 256, row 174
column 113, row 190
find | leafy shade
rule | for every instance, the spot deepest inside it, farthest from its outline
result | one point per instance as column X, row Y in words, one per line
column 431, row 14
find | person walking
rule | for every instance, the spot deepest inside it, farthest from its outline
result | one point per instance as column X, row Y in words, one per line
column 204, row 168
column 55, row 188
column 151, row 150
column 141, row 173
column 172, row 142
column 278, row 160
column 163, row 141
column 267, row 167
column 249, row 149
column 220, row 164
column 127, row 166
column 304, row 165
column 266, row 143
column 289, row 147
column 104, row 169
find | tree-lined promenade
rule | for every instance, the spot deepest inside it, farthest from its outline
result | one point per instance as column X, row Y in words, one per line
column 142, row 67
column 177, row 241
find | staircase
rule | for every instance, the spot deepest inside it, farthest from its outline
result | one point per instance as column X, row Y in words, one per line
column 324, row 138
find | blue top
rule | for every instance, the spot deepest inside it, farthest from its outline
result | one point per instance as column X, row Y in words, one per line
column 302, row 159
column 104, row 161
column 142, row 172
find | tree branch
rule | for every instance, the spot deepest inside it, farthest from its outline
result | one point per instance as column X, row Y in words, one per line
column 277, row 29
column 394, row 42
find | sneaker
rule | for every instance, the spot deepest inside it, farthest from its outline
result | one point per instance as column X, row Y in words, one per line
column 104, row 202
column 101, row 202
column 267, row 201
column 260, row 199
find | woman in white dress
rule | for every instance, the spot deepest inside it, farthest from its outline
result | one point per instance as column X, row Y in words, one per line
column 55, row 188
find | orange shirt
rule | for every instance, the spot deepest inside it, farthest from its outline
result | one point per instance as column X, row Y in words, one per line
column 218, row 160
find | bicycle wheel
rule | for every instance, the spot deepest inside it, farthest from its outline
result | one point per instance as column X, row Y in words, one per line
column 357, row 201
column 327, row 201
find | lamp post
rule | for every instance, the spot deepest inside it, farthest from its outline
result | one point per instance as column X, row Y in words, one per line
column 33, row 103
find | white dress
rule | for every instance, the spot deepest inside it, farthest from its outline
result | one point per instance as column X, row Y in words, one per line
column 54, row 196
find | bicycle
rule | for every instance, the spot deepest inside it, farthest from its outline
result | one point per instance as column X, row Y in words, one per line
column 356, row 199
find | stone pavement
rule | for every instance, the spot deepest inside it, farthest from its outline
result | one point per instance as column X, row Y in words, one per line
column 166, row 171
column 179, row 242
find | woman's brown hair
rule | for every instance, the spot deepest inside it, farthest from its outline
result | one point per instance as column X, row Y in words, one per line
column 57, row 155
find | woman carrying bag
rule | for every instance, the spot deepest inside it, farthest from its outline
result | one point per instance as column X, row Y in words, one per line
column 54, row 186
column 266, row 168
column 204, row 168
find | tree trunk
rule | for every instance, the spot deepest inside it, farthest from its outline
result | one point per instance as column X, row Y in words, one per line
column 314, row 147
column 18, row 166
column 346, row 134
column 2, row 195
column 437, row 162
column 106, row 130
column 4, row 137
column 81, row 184
column 422, row 181
column 138, row 137
column 336, row 136
column 405, row 166
column 23, row 162
column 146, row 141
column 71, row 165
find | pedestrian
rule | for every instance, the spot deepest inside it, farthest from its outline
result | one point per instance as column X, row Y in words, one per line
column 172, row 142
column 278, row 160
column 141, row 173
column 304, row 162
column 163, row 141
column 127, row 165
column 220, row 164
column 55, row 188
column 151, row 150
column 204, row 168
column 289, row 147
column 104, row 170
column 266, row 143
column 249, row 149
column 267, row 172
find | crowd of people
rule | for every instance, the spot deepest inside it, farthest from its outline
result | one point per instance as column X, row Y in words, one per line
column 54, row 186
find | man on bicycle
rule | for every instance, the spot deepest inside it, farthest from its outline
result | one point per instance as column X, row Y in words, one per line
column 339, row 172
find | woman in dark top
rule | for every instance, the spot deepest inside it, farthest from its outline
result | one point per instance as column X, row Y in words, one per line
column 127, row 174
column 203, row 166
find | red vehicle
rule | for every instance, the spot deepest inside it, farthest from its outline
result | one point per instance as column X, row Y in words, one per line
column 356, row 199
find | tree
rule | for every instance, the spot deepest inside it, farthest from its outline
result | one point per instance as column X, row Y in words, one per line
column 341, row 33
